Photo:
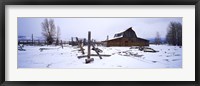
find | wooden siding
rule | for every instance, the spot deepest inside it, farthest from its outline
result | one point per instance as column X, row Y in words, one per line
column 127, row 42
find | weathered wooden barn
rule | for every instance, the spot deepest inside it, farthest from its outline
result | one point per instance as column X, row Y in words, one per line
column 126, row 38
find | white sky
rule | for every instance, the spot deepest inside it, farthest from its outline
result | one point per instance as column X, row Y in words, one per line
column 99, row 27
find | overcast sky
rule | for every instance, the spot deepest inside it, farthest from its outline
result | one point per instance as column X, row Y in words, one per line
column 99, row 27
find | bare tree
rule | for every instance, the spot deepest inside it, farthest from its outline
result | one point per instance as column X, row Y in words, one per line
column 48, row 30
column 179, row 34
column 57, row 35
column 174, row 34
column 157, row 39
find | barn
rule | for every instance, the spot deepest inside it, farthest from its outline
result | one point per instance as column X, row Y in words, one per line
column 126, row 38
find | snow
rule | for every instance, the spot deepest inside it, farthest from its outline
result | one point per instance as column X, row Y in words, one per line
column 121, row 57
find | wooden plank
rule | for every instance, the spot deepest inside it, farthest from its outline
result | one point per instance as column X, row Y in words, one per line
column 105, row 55
column 41, row 49
column 89, row 43
column 21, row 47
column 96, row 51
column 101, row 55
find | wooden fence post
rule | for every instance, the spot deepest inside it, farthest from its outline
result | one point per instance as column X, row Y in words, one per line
column 96, row 51
column 32, row 40
column 79, row 44
column 61, row 44
column 88, row 60
column 89, row 43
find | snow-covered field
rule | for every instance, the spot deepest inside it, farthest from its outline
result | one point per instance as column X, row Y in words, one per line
column 121, row 57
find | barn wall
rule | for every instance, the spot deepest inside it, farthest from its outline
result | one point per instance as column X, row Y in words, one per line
column 127, row 42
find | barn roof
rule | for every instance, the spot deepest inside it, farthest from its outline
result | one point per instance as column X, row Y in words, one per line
column 125, row 30
column 124, row 33
column 142, row 39
column 112, row 39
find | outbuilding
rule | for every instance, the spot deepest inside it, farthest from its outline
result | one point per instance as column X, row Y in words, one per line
column 126, row 38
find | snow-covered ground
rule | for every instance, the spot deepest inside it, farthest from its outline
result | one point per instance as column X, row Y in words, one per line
column 121, row 57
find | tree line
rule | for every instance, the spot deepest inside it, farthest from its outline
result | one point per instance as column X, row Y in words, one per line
column 174, row 35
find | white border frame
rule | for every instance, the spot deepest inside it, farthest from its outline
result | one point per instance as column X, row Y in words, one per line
column 187, row 73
